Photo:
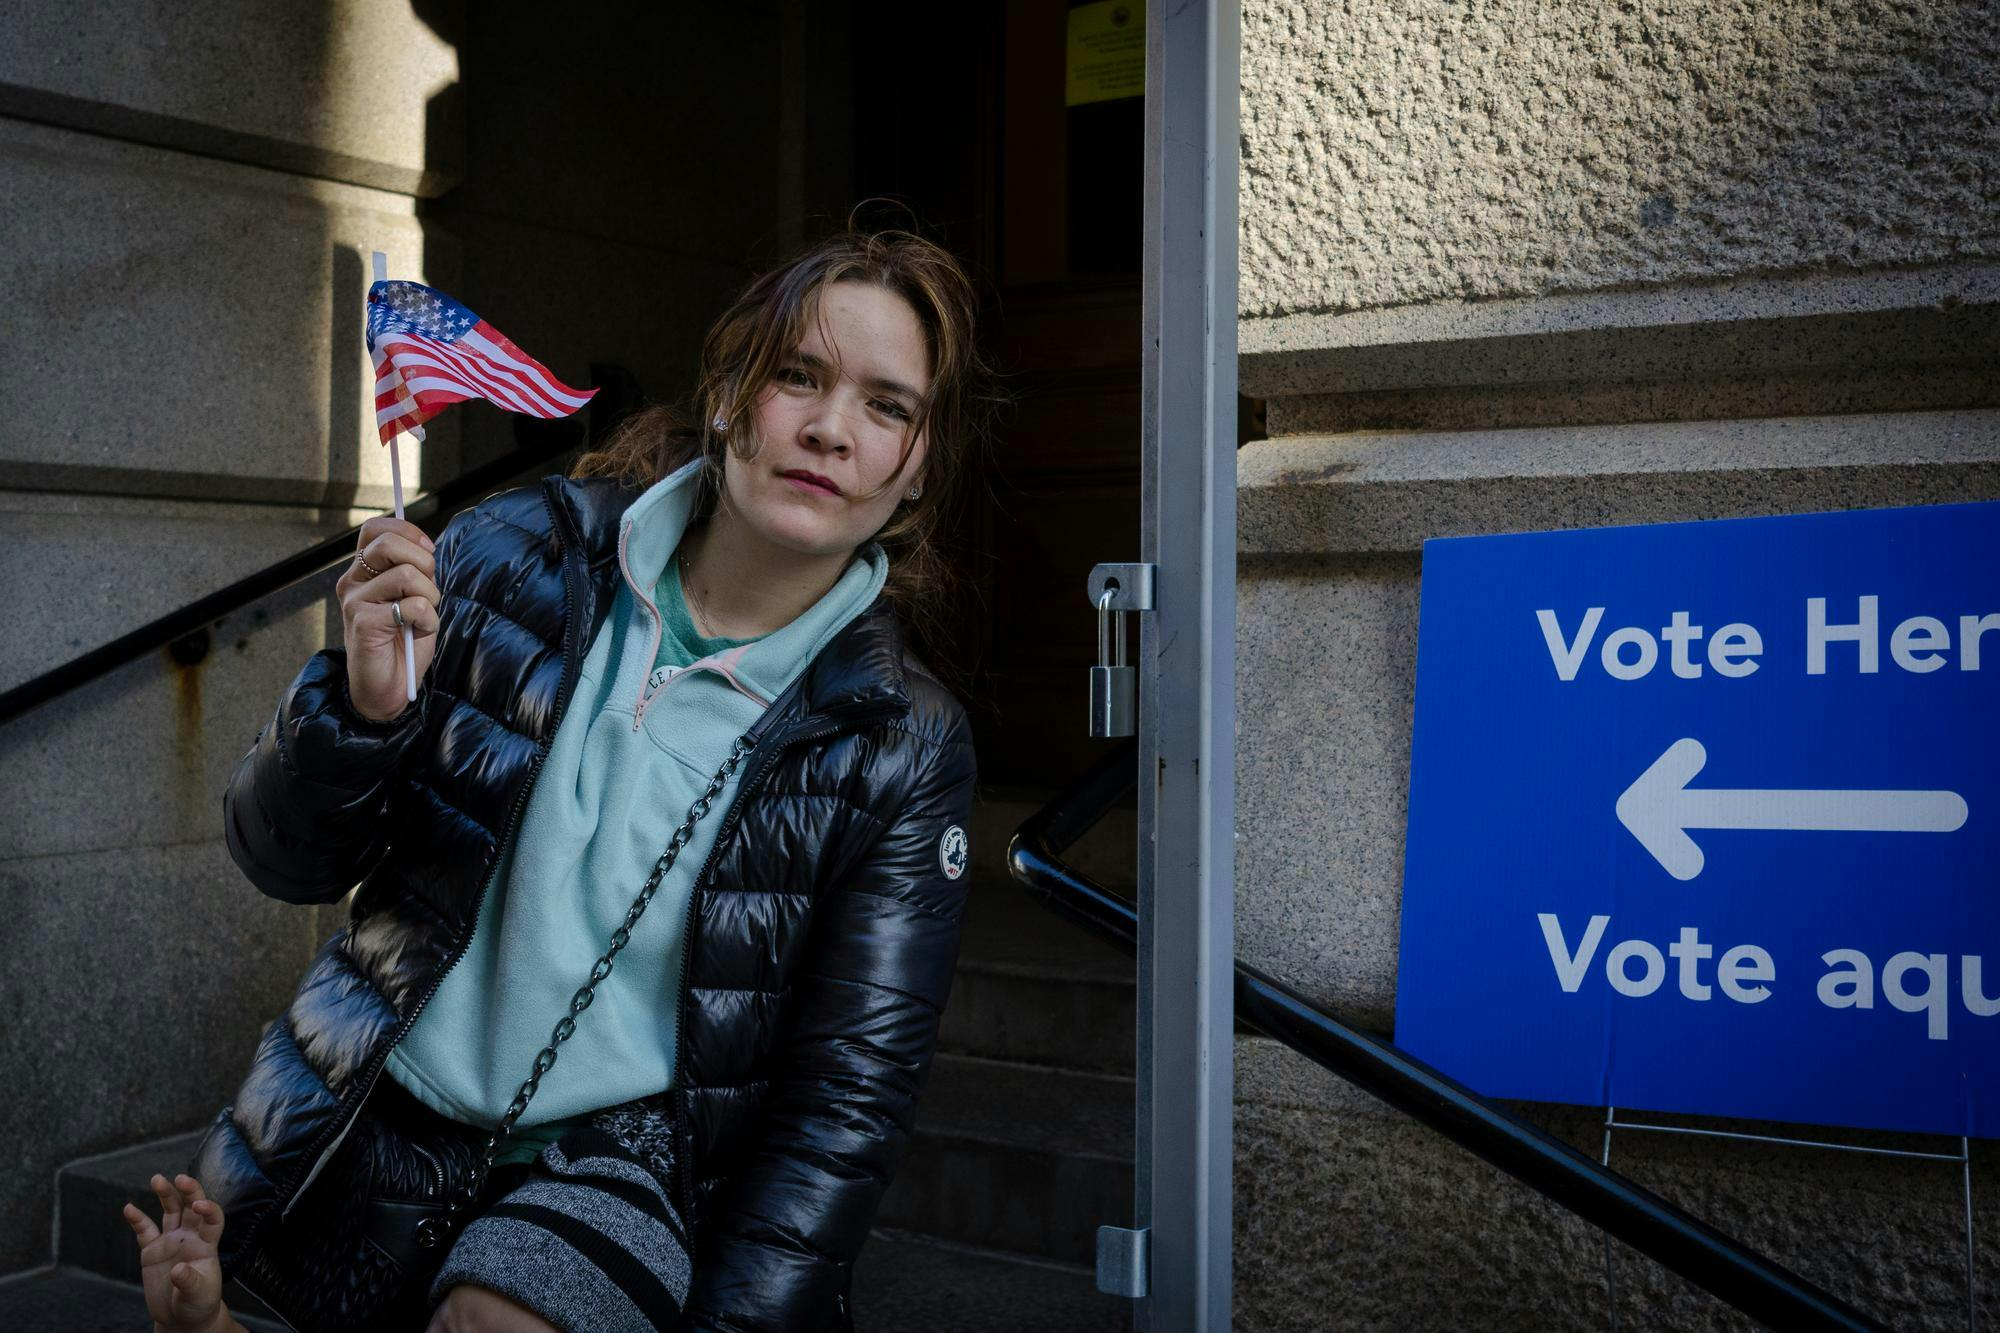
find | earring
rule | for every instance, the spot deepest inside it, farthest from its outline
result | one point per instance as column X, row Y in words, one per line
column 916, row 491
column 721, row 425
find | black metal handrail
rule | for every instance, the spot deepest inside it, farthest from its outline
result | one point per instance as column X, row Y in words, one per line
column 1729, row 1270
column 432, row 508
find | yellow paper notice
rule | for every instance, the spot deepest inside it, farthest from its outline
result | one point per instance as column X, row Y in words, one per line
column 1107, row 52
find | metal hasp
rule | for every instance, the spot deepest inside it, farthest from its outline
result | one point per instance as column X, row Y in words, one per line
column 1121, row 1261
column 1130, row 585
column 1114, row 683
column 1185, row 1057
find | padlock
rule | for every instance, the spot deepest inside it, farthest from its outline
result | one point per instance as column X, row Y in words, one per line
column 1113, row 686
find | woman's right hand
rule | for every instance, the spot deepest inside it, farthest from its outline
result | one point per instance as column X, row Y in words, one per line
column 400, row 551
column 178, row 1259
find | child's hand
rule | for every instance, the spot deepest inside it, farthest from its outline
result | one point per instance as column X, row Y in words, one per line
column 183, row 1277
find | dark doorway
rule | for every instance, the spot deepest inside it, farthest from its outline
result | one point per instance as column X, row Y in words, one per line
column 1014, row 129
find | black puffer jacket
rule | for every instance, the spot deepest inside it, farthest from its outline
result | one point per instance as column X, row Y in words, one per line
column 824, row 926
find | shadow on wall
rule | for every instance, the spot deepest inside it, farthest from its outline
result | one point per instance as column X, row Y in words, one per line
column 173, row 240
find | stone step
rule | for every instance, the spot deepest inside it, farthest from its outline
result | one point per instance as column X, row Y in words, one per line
column 1035, row 987
column 909, row 1283
column 1010, row 1156
column 1032, row 985
column 71, row 1300
column 91, row 1233
column 1041, row 1016
column 1108, row 853
column 1021, row 1158
column 92, row 1236
column 903, row 1283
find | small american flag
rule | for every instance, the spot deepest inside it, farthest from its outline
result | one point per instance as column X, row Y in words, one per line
column 430, row 352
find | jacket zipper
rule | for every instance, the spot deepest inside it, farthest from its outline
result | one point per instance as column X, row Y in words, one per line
column 570, row 636
column 437, row 1172
column 659, row 621
column 767, row 754
column 244, row 1279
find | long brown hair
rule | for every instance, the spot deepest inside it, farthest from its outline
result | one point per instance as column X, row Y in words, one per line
column 765, row 324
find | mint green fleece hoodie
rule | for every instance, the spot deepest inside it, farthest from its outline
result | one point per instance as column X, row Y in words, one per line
column 636, row 746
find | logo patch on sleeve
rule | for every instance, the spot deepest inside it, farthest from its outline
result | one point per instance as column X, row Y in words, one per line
column 952, row 852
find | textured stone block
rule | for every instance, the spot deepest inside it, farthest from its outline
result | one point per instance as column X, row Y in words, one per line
column 356, row 90
column 148, row 749
column 1360, row 1218
column 1377, row 492
column 138, row 982
column 1407, row 152
column 1325, row 677
column 1822, row 392
column 1689, row 334
column 178, row 325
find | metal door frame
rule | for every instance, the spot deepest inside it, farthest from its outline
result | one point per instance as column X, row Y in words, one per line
column 1187, row 676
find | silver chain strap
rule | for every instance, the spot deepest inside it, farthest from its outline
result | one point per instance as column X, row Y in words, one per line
column 430, row 1231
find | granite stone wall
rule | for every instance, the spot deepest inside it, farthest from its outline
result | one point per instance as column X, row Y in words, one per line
column 189, row 198
column 1351, row 1216
column 1396, row 153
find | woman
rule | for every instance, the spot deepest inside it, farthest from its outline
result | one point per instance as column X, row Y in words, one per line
column 732, row 1106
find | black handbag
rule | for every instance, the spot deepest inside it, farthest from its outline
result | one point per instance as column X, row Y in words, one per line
column 403, row 1181
column 353, row 1259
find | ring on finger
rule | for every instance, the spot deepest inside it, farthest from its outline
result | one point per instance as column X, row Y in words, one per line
column 397, row 607
column 363, row 561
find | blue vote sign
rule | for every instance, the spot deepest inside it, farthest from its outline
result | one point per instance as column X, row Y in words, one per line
column 1705, row 817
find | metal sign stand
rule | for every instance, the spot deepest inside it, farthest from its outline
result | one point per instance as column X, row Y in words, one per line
column 1175, row 1258
column 1963, row 1157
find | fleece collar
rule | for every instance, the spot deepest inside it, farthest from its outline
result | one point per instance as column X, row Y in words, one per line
column 860, row 671
column 649, row 531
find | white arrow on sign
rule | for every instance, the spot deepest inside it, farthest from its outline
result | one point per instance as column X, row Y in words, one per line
column 1658, row 809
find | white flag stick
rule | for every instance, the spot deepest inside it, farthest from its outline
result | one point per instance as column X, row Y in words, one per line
column 381, row 265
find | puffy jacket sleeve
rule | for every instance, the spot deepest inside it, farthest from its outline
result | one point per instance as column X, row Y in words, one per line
column 303, row 815
column 867, row 1003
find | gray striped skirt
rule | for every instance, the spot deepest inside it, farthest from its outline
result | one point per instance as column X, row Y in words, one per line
column 589, row 1240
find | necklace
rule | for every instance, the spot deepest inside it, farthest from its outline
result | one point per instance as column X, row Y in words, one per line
column 694, row 602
